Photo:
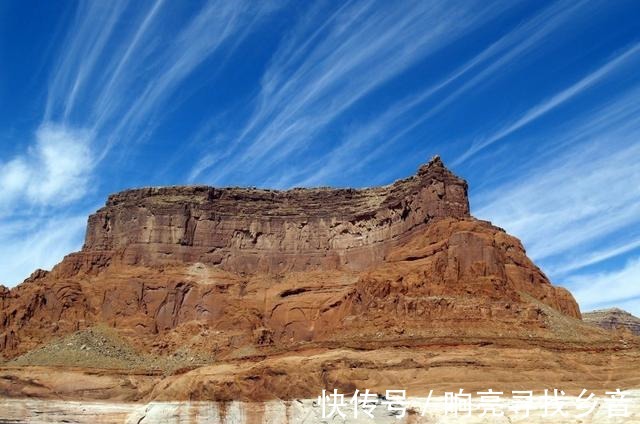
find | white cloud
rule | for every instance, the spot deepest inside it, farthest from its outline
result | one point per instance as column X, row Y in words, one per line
column 597, row 256
column 37, row 242
column 52, row 172
column 619, row 288
column 35, row 187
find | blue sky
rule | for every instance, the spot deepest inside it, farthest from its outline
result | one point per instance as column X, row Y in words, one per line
column 536, row 104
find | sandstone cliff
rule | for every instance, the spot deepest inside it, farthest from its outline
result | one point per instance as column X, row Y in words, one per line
column 227, row 274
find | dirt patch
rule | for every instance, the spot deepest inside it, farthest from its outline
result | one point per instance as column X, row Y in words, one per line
column 102, row 347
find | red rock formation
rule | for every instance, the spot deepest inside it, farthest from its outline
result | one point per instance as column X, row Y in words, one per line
column 223, row 271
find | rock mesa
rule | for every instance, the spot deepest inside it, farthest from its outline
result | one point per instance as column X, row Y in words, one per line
column 220, row 274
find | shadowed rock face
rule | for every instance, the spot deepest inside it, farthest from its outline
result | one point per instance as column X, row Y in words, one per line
column 252, row 230
column 232, row 273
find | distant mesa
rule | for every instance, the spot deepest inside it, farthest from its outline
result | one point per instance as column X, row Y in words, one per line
column 613, row 319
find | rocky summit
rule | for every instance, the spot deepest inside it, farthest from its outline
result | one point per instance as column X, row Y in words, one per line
column 207, row 293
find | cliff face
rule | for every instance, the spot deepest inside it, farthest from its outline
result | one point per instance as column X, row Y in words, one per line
column 221, row 271
column 251, row 230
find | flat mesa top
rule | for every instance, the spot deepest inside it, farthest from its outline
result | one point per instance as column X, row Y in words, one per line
column 372, row 196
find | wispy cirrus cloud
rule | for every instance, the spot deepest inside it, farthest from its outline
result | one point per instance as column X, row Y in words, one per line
column 397, row 121
column 319, row 73
column 597, row 256
column 541, row 207
column 217, row 24
column 578, row 207
column 125, row 91
column 93, row 26
column 586, row 194
column 537, row 111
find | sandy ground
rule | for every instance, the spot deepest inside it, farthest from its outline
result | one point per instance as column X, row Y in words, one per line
column 439, row 410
